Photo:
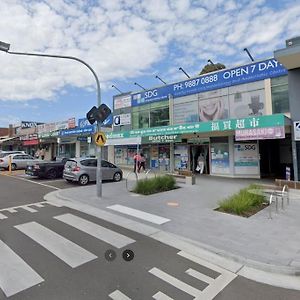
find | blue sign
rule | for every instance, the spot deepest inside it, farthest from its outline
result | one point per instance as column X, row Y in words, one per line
column 108, row 121
column 75, row 131
column 249, row 73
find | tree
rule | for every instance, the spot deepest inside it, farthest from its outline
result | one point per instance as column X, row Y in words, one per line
column 211, row 68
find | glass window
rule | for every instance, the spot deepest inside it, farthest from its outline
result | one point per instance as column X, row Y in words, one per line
column 159, row 117
column 280, row 94
column 140, row 119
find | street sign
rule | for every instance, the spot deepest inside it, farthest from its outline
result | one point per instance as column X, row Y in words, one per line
column 98, row 114
column 100, row 138
column 297, row 130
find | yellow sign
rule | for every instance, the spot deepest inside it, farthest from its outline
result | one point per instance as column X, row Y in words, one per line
column 100, row 138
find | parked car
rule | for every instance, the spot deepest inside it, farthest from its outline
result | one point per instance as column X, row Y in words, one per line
column 5, row 153
column 47, row 169
column 18, row 161
column 83, row 170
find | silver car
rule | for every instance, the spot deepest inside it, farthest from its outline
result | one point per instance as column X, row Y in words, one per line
column 83, row 170
column 18, row 161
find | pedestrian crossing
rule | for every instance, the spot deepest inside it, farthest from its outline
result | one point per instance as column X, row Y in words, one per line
column 18, row 275
column 6, row 212
column 142, row 215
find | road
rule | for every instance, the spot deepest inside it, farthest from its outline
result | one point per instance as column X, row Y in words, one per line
column 51, row 252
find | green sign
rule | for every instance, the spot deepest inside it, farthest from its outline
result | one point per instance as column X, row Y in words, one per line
column 48, row 134
column 161, row 139
column 211, row 126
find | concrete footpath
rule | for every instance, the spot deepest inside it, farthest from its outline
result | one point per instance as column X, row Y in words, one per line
column 269, row 245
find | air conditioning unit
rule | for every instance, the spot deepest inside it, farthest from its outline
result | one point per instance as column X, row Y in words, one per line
column 293, row 42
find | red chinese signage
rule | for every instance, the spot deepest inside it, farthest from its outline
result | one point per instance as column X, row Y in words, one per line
column 31, row 142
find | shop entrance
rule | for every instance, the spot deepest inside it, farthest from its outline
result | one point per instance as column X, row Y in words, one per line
column 200, row 159
column 275, row 156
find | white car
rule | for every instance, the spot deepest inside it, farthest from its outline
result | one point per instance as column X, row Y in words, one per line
column 18, row 161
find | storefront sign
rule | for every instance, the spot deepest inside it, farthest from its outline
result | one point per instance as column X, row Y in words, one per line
column 83, row 122
column 122, row 101
column 228, row 77
column 31, row 143
column 82, row 139
column 221, row 125
column 297, row 130
column 260, row 133
column 161, row 139
column 29, row 137
column 48, row 134
column 123, row 119
column 68, row 132
column 29, row 124
column 246, row 159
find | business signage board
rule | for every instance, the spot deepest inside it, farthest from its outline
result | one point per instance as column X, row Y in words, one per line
column 211, row 126
column 297, row 130
column 85, row 130
column 244, row 74
column 161, row 139
column 260, row 133
column 123, row 119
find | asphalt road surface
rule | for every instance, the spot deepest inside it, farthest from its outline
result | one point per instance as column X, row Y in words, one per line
column 51, row 252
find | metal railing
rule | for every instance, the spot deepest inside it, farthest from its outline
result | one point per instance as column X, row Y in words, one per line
column 127, row 178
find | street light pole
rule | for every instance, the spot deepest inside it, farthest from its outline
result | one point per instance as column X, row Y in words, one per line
column 5, row 47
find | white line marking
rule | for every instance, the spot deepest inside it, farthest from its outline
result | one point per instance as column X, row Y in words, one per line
column 39, row 205
column 2, row 216
column 11, row 210
column 200, row 276
column 34, row 203
column 15, row 275
column 30, row 209
column 175, row 282
column 161, row 296
column 54, row 204
column 139, row 214
column 67, row 251
column 20, row 178
column 218, row 284
column 117, row 295
column 111, row 237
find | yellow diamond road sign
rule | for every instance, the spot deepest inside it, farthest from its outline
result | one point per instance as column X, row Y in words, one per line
column 100, row 138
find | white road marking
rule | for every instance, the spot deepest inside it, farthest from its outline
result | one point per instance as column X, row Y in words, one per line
column 117, row 295
column 11, row 210
column 15, row 274
column 2, row 216
column 175, row 282
column 64, row 249
column 39, row 205
column 161, row 296
column 30, row 209
column 200, row 276
column 111, row 237
column 24, row 179
column 54, row 204
column 139, row 214
column 218, row 284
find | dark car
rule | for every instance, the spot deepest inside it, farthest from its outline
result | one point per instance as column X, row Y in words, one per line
column 47, row 169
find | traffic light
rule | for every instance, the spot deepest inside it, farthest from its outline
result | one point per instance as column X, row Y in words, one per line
column 99, row 114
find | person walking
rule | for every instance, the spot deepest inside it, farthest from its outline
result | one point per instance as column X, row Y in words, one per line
column 142, row 163
column 136, row 160
column 42, row 152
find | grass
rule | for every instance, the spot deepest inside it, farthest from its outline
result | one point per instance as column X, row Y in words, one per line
column 155, row 185
column 243, row 203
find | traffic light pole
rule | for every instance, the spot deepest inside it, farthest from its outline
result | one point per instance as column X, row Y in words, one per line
column 99, row 169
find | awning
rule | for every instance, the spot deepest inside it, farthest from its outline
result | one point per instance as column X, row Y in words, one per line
column 8, row 139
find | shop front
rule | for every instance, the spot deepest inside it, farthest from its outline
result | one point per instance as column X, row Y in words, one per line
column 222, row 148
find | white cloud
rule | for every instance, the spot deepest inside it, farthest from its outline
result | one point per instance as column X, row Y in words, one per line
column 122, row 39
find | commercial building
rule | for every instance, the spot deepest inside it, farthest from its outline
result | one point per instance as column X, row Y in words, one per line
column 233, row 122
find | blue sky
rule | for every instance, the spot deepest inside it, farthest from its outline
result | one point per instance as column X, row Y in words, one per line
column 125, row 41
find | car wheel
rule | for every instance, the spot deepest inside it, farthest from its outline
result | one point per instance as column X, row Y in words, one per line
column 13, row 167
column 117, row 177
column 83, row 179
column 51, row 174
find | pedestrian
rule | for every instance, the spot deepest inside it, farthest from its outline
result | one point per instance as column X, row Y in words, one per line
column 37, row 154
column 42, row 153
column 136, row 161
column 142, row 163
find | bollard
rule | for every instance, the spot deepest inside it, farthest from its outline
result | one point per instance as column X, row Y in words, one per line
column 9, row 165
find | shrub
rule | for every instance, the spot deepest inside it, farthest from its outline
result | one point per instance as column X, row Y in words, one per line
column 243, row 202
column 155, row 185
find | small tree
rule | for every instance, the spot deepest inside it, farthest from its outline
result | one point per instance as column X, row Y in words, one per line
column 211, row 68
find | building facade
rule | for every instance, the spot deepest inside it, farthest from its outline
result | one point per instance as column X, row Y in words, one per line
column 234, row 122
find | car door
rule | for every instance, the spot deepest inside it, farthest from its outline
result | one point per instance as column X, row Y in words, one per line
column 18, row 160
column 106, row 170
column 27, row 159
column 89, row 168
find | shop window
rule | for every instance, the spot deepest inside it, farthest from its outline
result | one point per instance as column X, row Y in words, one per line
column 280, row 94
column 140, row 119
column 159, row 117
